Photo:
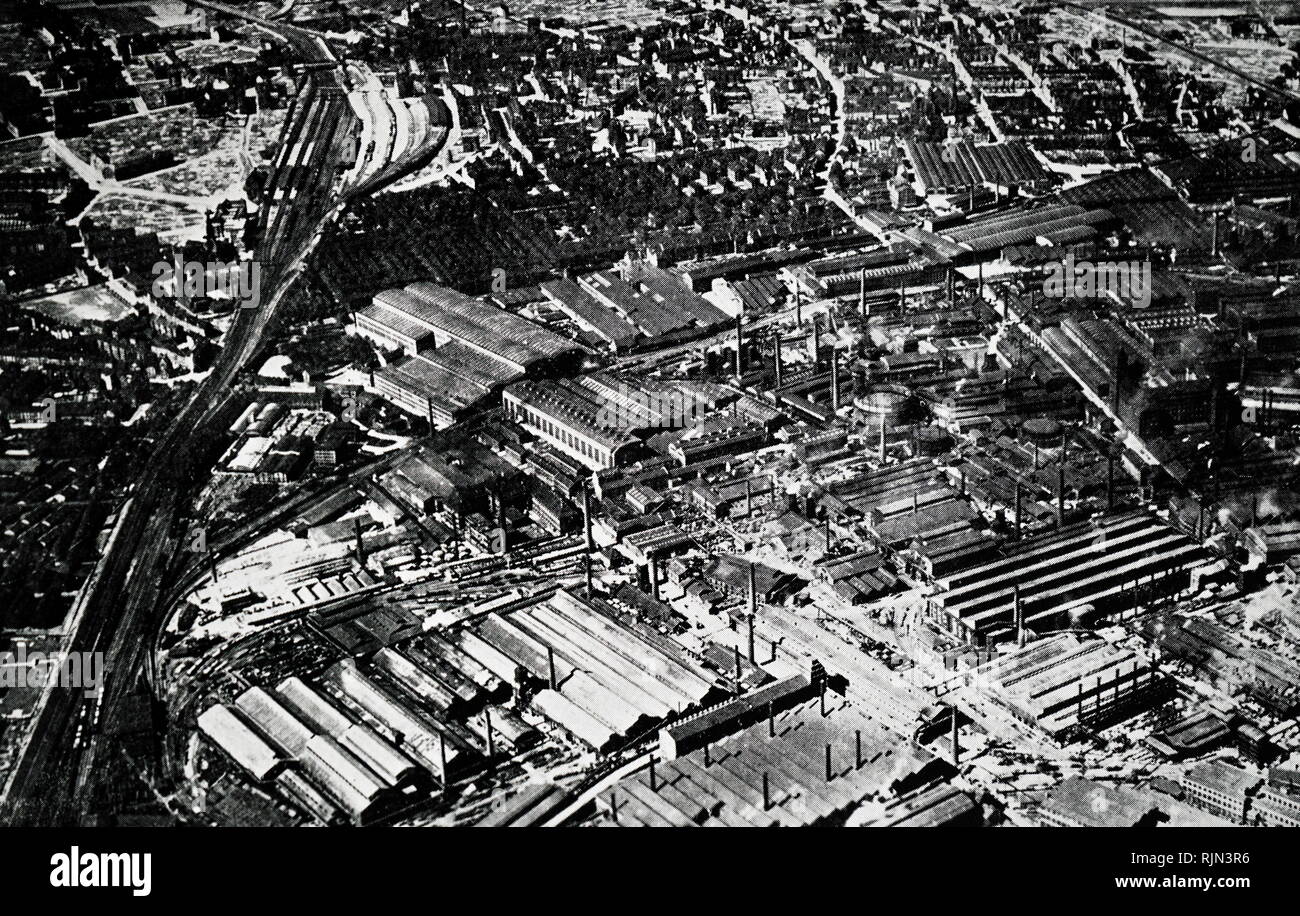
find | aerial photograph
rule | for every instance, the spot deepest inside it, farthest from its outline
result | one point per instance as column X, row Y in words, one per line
column 873, row 413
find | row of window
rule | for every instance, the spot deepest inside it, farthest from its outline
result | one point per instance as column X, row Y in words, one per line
column 563, row 434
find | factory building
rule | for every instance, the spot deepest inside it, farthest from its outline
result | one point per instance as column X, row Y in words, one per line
column 1220, row 788
column 459, row 350
column 331, row 765
column 578, row 418
column 1064, row 683
column 602, row 681
column 223, row 726
column 813, row 764
column 1068, row 576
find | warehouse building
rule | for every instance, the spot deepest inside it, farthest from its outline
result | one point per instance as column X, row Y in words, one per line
column 1063, row 684
column 809, row 765
column 224, row 727
column 603, row 681
column 340, row 767
column 459, row 350
column 417, row 734
column 1110, row 563
column 1220, row 788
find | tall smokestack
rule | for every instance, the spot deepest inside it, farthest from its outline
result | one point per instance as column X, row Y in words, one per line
column 550, row 664
column 1019, row 614
column 1018, row 496
column 586, row 569
column 736, row 650
column 586, row 517
column 835, row 382
column 815, row 340
column 882, row 440
column 751, row 595
column 360, row 549
column 491, row 739
column 862, row 294
column 654, row 577
column 776, row 352
column 956, row 752
column 751, row 639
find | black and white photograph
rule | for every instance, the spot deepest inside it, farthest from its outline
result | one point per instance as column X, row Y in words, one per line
column 650, row 413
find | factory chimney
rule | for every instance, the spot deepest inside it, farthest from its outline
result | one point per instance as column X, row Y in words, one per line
column 776, row 350
column 550, row 664
column 751, row 595
column 586, row 517
column 815, row 340
column 956, row 752
column 835, row 382
column 862, row 294
column 1019, row 613
column 798, row 304
column 1018, row 495
column 360, row 549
